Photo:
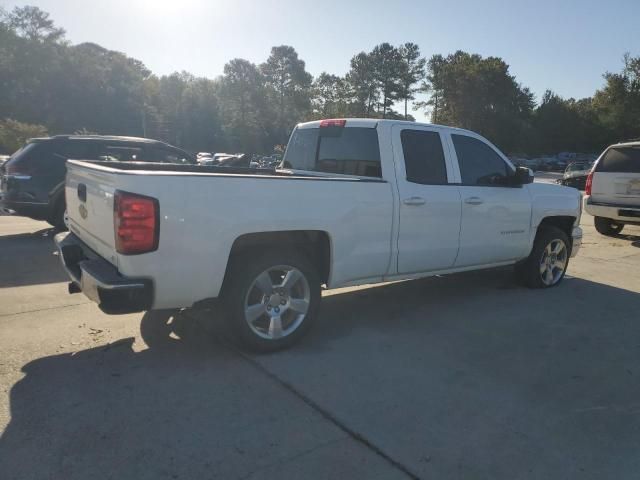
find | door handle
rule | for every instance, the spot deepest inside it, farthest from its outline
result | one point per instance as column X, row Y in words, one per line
column 82, row 192
column 414, row 201
column 473, row 201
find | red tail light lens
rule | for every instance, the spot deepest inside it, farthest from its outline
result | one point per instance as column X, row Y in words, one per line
column 17, row 169
column 588, row 184
column 333, row 122
column 136, row 221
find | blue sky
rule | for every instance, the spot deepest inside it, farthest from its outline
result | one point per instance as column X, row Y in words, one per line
column 562, row 45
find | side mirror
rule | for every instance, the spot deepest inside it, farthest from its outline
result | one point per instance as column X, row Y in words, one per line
column 523, row 175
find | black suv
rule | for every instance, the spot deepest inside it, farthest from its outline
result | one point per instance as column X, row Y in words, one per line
column 32, row 180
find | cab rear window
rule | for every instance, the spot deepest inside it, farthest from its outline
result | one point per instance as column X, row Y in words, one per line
column 347, row 151
column 620, row 160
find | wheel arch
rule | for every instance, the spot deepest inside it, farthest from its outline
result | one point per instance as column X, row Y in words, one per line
column 315, row 244
column 563, row 222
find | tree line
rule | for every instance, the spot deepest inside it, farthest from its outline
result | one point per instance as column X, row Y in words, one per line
column 49, row 85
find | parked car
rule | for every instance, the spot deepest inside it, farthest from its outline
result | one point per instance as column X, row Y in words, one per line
column 361, row 201
column 32, row 180
column 532, row 163
column 239, row 160
column 613, row 188
column 575, row 175
column 203, row 156
column 551, row 164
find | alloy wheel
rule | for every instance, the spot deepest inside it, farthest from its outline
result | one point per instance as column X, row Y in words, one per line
column 553, row 262
column 277, row 302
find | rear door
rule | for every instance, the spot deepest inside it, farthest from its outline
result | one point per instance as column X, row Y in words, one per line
column 616, row 178
column 430, row 207
column 496, row 217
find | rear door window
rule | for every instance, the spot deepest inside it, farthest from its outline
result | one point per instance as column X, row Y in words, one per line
column 423, row 157
column 620, row 160
column 78, row 150
column 347, row 151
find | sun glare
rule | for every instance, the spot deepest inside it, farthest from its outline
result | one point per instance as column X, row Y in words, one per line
column 167, row 7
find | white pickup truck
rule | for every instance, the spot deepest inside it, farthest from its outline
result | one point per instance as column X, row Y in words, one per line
column 354, row 201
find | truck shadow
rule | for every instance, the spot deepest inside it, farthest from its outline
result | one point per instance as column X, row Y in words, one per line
column 471, row 371
column 29, row 259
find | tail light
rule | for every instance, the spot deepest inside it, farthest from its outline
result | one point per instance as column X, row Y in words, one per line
column 18, row 169
column 136, row 221
column 333, row 122
column 588, row 184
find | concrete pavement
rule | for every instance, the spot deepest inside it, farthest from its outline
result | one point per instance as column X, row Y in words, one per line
column 466, row 376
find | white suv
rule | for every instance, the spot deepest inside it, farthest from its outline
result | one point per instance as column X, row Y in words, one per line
column 613, row 188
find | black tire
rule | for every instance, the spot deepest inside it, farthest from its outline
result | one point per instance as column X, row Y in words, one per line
column 607, row 227
column 529, row 271
column 56, row 219
column 244, row 271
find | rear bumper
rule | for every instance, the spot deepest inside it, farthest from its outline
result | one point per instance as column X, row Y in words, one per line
column 621, row 213
column 576, row 240
column 100, row 281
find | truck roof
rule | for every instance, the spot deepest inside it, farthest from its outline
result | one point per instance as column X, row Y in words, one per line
column 373, row 122
column 110, row 138
column 632, row 143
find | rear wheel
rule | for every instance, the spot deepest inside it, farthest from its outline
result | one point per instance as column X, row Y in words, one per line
column 608, row 227
column 547, row 264
column 272, row 298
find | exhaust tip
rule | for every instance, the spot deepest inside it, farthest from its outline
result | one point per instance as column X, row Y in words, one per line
column 73, row 287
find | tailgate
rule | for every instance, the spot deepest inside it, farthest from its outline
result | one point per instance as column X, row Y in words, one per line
column 616, row 176
column 616, row 188
column 89, row 195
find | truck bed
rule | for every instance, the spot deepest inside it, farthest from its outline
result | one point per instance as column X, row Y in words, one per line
column 203, row 210
column 188, row 169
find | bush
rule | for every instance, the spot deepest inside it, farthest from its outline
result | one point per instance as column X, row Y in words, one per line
column 14, row 134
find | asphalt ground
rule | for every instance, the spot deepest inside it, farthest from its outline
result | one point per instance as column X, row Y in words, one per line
column 462, row 376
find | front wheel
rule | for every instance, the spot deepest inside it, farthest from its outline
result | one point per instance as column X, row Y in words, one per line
column 607, row 227
column 547, row 264
column 272, row 298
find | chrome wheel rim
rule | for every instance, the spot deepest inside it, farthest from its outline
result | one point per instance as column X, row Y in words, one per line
column 553, row 262
column 277, row 302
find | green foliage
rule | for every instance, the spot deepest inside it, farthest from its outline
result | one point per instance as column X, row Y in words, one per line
column 479, row 94
column 362, row 78
column 332, row 97
column 248, row 118
column 13, row 134
column 32, row 23
column 288, row 86
column 412, row 71
column 250, row 108
column 618, row 103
